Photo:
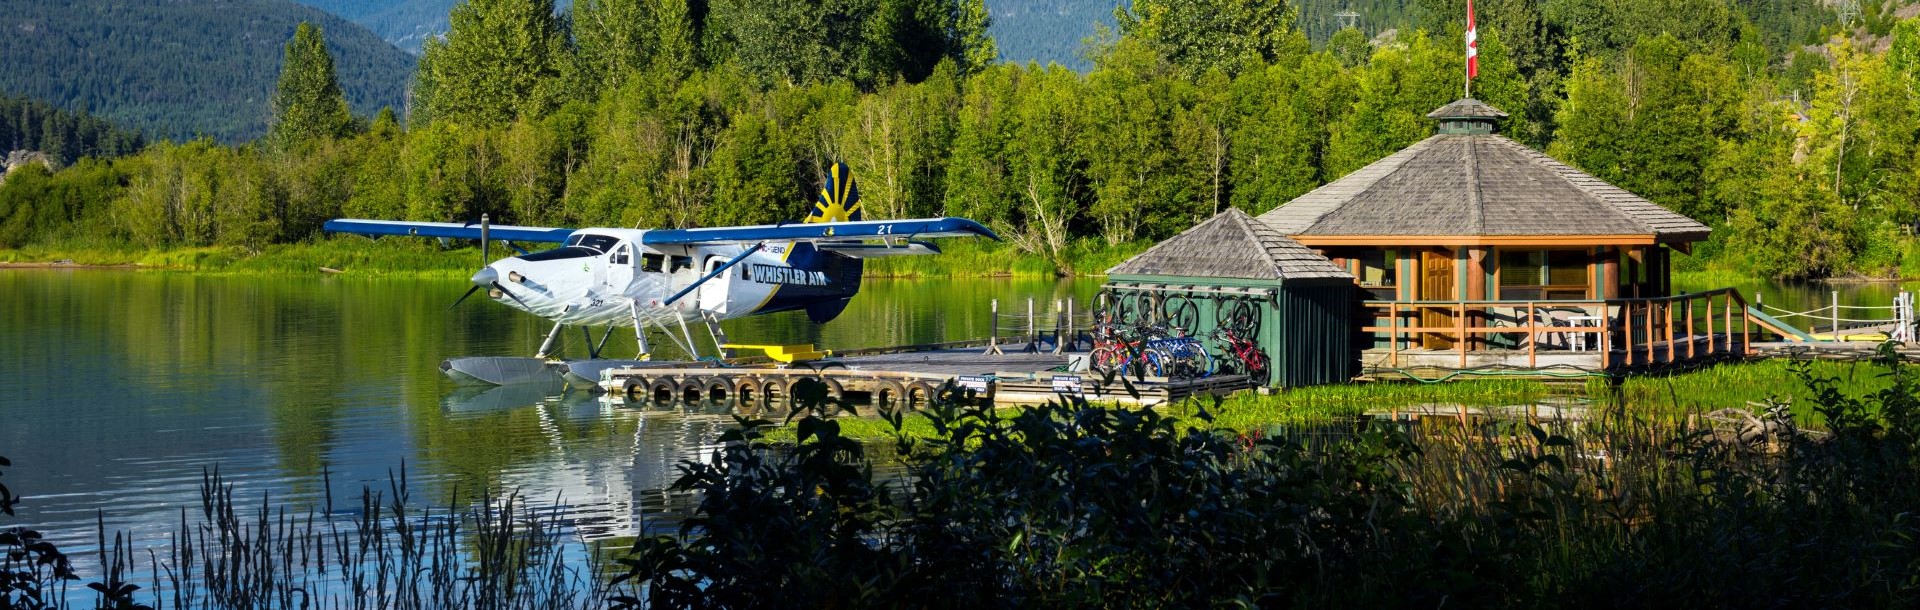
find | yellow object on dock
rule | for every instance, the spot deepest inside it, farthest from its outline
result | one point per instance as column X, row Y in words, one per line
column 785, row 353
column 1869, row 336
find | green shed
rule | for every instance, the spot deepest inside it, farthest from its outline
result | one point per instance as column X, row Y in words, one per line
column 1235, row 272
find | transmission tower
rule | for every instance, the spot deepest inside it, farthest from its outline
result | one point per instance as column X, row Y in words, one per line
column 1849, row 12
column 1350, row 19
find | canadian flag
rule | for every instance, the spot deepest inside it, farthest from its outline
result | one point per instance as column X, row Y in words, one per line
column 1473, row 44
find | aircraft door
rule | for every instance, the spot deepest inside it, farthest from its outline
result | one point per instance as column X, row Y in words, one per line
column 713, row 294
column 620, row 268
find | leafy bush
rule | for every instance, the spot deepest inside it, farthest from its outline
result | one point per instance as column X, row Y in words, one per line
column 1076, row 505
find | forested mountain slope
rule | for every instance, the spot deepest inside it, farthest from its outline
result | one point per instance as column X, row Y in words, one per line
column 176, row 68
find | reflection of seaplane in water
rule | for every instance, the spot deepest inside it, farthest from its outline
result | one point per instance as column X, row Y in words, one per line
column 665, row 278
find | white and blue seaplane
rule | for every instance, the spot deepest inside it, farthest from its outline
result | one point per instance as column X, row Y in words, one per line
column 666, row 278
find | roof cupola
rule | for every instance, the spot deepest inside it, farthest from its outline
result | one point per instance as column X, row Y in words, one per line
column 1467, row 116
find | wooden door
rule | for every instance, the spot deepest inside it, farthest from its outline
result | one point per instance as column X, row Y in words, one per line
column 1436, row 284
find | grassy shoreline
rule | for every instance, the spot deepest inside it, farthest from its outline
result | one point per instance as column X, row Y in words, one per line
column 423, row 258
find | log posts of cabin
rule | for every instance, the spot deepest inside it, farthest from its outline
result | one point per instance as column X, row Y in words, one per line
column 1533, row 336
column 1713, row 347
column 1393, row 333
column 1650, row 335
column 1460, row 331
column 1668, row 311
column 1637, row 271
column 1690, row 338
column 1728, row 314
column 1477, row 287
column 1609, row 274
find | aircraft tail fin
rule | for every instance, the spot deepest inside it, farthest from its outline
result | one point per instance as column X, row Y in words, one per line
column 839, row 197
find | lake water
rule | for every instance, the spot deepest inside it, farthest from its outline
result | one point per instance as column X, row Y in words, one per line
column 124, row 387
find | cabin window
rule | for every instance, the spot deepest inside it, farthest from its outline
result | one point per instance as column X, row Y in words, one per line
column 1543, row 274
column 1377, row 275
column 652, row 263
column 678, row 263
column 620, row 256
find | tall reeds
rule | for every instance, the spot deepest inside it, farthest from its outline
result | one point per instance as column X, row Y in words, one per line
column 496, row 551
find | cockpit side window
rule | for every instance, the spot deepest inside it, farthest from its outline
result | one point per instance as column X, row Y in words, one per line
column 621, row 255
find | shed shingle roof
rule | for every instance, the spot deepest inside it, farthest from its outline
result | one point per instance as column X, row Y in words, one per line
column 1476, row 185
column 1231, row 245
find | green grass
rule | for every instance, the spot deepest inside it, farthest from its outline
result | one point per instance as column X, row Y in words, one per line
column 1734, row 385
column 352, row 255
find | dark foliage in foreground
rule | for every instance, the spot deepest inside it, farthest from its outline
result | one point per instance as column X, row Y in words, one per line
column 1076, row 505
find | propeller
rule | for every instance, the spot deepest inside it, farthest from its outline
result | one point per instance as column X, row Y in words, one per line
column 463, row 298
column 509, row 293
column 487, row 277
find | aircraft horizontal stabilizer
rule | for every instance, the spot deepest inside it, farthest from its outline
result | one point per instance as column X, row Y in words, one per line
column 912, row 228
column 449, row 230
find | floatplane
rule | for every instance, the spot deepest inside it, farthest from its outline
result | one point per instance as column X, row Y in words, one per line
column 667, row 278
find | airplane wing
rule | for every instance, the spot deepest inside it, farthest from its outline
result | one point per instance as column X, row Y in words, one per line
column 450, row 230
column 911, row 228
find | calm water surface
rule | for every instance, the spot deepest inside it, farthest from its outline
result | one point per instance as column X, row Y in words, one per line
column 124, row 387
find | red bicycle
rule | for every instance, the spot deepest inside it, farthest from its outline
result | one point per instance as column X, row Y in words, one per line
column 1247, row 357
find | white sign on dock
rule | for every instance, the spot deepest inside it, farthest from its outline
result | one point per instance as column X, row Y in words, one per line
column 1067, row 384
column 972, row 382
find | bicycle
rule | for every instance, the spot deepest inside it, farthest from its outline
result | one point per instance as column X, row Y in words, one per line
column 1154, row 349
column 1248, row 359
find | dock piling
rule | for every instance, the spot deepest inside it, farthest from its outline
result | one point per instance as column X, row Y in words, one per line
column 1834, row 315
column 993, row 329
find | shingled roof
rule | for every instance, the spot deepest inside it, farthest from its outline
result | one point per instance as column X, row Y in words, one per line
column 1475, row 184
column 1232, row 245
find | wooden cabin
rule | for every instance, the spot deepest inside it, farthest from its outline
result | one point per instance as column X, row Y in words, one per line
column 1473, row 250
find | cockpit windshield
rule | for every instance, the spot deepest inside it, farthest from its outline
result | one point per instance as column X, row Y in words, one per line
column 597, row 243
column 577, row 246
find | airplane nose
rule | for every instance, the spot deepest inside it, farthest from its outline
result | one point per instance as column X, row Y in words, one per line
column 486, row 277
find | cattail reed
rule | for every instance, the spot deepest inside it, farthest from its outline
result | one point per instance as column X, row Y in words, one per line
column 496, row 551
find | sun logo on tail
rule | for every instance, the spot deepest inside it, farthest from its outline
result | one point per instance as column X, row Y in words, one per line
column 839, row 199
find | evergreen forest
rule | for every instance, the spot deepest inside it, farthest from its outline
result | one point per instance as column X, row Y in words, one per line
column 1796, row 136
column 182, row 68
column 65, row 137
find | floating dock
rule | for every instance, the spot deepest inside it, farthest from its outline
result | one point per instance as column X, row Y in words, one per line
column 907, row 379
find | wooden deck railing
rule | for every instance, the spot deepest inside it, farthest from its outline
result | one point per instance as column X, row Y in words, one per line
column 1625, row 332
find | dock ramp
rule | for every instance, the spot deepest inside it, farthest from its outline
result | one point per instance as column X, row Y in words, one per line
column 1785, row 330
